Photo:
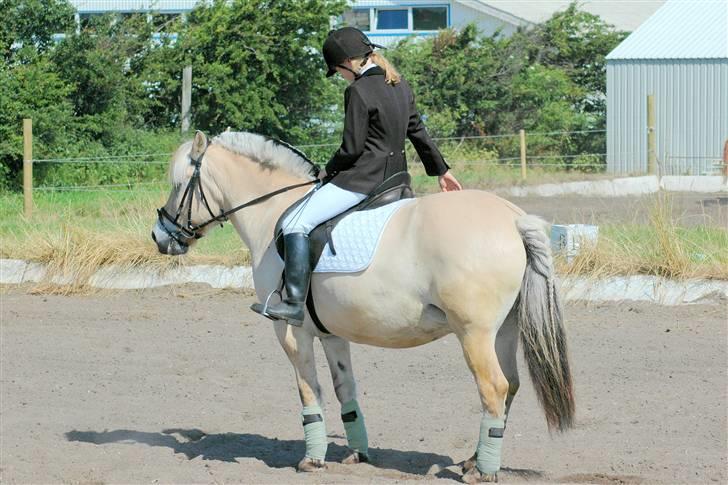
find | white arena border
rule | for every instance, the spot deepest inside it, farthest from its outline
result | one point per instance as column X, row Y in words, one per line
column 652, row 289
column 626, row 186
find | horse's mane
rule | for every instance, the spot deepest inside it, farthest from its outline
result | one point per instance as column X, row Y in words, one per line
column 268, row 152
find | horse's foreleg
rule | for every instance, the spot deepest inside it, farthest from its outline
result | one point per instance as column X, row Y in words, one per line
column 339, row 357
column 480, row 354
column 298, row 344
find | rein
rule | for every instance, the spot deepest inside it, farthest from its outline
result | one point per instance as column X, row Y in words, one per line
column 190, row 231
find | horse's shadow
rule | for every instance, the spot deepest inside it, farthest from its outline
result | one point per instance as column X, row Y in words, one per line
column 275, row 453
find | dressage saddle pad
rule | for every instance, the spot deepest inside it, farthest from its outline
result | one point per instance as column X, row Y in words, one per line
column 355, row 239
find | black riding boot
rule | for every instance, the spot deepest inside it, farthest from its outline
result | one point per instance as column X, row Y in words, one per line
column 298, row 275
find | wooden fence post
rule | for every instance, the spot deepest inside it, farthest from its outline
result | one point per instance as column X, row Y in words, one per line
column 651, row 143
column 27, row 167
column 523, row 154
column 186, row 97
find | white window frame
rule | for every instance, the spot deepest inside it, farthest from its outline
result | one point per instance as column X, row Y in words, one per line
column 410, row 24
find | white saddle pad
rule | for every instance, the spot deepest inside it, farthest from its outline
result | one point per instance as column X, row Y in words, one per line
column 356, row 239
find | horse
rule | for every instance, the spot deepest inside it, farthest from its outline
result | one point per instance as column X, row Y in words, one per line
column 465, row 262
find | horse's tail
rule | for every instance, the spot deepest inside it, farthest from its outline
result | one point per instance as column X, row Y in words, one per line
column 542, row 327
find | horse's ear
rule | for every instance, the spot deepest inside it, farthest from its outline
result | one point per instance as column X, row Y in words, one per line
column 198, row 145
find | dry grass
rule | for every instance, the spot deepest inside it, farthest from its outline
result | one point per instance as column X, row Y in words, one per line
column 74, row 255
column 75, row 238
column 82, row 233
column 661, row 248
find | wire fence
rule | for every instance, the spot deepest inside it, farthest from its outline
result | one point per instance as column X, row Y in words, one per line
column 582, row 151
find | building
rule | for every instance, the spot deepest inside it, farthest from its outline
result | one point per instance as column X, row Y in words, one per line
column 392, row 20
column 389, row 21
column 162, row 8
column 680, row 57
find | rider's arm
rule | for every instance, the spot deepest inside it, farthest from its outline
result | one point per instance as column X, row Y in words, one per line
column 427, row 150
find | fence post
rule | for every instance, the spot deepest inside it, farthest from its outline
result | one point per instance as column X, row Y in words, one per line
column 186, row 97
column 523, row 154
column 651, row 144
column 27, row 167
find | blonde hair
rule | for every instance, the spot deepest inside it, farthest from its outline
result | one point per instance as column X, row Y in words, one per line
column 391, row 75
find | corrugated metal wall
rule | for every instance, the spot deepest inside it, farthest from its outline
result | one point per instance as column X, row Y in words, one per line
column 691, row 114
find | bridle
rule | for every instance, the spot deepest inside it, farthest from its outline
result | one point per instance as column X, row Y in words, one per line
column 184, row 234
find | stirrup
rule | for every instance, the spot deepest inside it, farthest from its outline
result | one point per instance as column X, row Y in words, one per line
column 263, row 309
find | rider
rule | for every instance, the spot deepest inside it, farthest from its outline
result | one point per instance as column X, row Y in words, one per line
column 380, row 113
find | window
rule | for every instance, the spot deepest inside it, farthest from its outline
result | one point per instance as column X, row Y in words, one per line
column 358, row 17
column 88, row 21
column 429, row 18
column 392, row 19
column 161, row 21
column 409, row 19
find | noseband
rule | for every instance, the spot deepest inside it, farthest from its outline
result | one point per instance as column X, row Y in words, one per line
column 189, row 232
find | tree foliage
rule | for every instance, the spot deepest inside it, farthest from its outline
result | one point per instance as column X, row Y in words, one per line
column 113, row 87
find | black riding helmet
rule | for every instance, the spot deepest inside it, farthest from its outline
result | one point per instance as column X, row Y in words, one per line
column 345, row 43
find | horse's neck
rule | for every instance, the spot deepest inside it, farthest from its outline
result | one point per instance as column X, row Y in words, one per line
column 255, row 224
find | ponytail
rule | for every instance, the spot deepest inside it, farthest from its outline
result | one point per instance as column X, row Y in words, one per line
column 391, row 76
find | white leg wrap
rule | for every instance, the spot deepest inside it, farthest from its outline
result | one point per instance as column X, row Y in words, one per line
column 489, row 446
column 314, row 430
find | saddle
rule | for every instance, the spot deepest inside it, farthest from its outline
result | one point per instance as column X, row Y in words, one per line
column 394, row 188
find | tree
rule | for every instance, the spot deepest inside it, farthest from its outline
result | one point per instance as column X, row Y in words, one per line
column 32, row 23
column 256, row 66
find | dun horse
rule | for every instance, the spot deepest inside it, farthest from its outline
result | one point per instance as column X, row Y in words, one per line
column 465, row 262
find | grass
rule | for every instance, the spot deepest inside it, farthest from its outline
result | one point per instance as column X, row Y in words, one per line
column 661, row 248
column 75, row 233
column 490, row 175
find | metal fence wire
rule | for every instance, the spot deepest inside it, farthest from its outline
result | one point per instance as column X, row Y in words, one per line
column 464, row 153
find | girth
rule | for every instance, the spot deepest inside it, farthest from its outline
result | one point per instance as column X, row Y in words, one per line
column 394, row 188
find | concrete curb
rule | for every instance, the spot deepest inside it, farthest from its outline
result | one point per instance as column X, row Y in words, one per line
column 652, row 289
column 627, row 186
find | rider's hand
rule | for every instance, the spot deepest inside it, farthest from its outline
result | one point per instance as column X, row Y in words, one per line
column 322, row 174
column 449, row 183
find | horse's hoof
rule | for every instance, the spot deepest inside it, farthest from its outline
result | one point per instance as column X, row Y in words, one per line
column 310, row 465
column 470, row 464
column 355, row 457
column 475, row 476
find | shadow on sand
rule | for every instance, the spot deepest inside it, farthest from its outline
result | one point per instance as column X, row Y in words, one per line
column 273, row 452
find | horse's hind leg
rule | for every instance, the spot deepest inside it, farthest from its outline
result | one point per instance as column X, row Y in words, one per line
column 478, row 340
column 339, row 357
column 298, row 344
column 506, row 346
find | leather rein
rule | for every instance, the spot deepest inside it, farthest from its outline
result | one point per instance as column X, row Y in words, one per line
column 183, row 234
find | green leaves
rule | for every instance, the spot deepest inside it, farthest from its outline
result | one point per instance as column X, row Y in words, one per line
column 256, row 65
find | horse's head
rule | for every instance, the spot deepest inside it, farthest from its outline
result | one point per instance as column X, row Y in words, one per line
column 240, row 167
column 189, row 211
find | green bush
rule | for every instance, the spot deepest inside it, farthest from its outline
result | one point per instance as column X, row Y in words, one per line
column 114, row 88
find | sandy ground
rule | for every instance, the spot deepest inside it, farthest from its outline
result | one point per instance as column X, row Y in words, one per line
column 688, row 209
column 184, row 385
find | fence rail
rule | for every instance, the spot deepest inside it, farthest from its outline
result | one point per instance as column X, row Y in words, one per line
column 524, row 150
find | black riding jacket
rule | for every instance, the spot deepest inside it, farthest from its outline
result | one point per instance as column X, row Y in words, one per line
column 379, row 116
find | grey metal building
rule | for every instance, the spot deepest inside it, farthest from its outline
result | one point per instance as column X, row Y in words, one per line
column 680, row 57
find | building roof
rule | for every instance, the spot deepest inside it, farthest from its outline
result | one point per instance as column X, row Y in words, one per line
column 93, row 6
column 681, row 29
column 624, row 15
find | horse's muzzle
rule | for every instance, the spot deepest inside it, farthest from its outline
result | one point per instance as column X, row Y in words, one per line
column 165, row 243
